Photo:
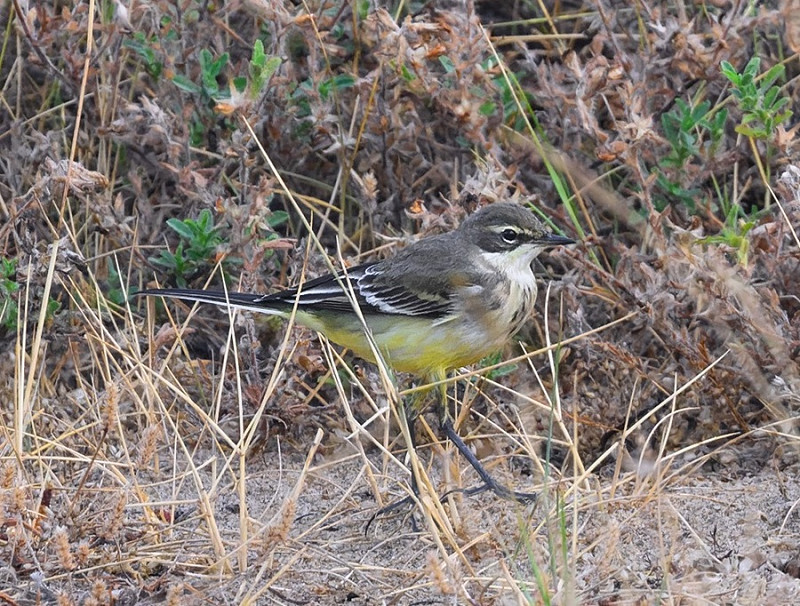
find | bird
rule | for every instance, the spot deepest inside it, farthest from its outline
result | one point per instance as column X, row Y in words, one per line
column 440, row 303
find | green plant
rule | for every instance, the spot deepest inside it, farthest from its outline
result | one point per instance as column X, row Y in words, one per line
column 517, row 102
column 216, row 97
column 115, row 292
column 8, row 290
column 304, row 96
column 692, row 132
column 52, row 307
column 734, row 231
column 763, row 110
column 688, row 196
column 499, row 372
column 686, row 127
column 261, row 68
column 337, row 83
column 208, row 87
column 9, row 287
column 146, row 49
column 551, row 569
column 199, row 242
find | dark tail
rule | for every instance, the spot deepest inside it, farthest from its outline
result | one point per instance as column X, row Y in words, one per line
column 215, row 297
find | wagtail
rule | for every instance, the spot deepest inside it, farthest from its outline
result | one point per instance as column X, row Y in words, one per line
column 440, row 303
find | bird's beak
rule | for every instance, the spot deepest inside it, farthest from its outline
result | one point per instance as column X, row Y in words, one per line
column 555, row 240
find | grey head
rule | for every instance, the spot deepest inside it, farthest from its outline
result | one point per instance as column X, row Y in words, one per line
column 505, row 226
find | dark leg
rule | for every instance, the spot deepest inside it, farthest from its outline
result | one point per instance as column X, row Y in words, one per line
column 411, row 419
column 489, row 483
column 446, row 425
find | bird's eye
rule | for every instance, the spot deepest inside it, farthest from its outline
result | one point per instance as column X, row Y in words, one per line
column 509, row 235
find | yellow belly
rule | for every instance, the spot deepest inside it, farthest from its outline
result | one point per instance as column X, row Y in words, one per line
column 416, row 345
column 482, row 321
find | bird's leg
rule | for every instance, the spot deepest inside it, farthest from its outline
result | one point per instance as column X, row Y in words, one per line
column 489, row 483
column 411, row 413
column 446, row 423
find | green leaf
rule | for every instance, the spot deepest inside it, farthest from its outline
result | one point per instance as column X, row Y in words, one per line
column 186, row 85
column 407, row 74
column 206, row 59
column 52, row 307
column 770, row 96
column 210, row 68
column 338, row 82
column 259, row 57
column 219, row 64
column 9, row 313
column 729, row 72
column 181, row 228
column 749, row 132
column 272, row 65
column 277, row 218
column 205, row 219
column 448, row 65
column 240, row 84
column 261, row 69
column 487, row 108
column 773, row 73
column 751, row 69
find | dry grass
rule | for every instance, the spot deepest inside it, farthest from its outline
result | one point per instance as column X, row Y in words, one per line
column 179, row 455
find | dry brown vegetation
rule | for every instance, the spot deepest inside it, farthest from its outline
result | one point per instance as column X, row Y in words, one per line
column 154, row 454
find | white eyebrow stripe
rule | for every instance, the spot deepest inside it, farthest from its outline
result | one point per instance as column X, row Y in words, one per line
column 501, row 228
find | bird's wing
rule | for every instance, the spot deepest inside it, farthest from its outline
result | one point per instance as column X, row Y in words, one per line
column 376, row 289
column 419, row 281
column 387, row 293
column 430, row 278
